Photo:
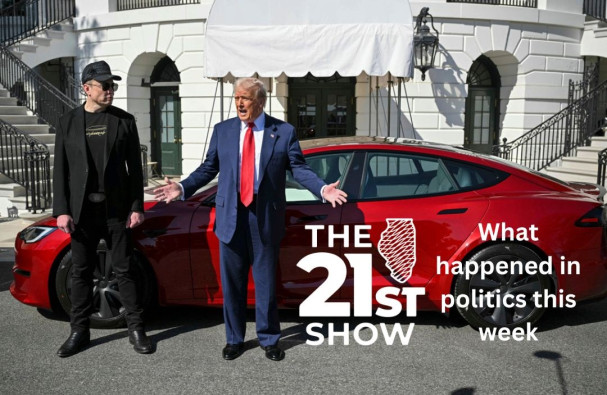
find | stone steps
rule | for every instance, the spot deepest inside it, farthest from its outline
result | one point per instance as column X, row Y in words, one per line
column 21, row 118
column 13, row 110
column 583, row 166
column 11, row 190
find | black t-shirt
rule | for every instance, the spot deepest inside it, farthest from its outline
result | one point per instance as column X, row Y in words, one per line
column 96, row 137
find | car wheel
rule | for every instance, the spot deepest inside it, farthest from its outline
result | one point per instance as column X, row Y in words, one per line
column 494, row 287
column 108, row 311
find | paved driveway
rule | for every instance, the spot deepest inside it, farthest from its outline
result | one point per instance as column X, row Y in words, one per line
column 442, row 358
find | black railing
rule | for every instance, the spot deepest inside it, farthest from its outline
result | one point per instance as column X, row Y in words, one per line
column 124, row 5
column 580, row 88
column 600, row 178
column 596, row 9
column 514, row 3
column 561, row 134
column 26, row 161
column 33, row 91
column 28, row 17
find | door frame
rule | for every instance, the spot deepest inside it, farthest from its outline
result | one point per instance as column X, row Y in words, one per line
column 321, row 88
column 483, row 77
column 470, row 116
column 157, row 90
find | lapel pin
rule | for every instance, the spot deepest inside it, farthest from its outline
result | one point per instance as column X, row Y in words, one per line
column 272, row 135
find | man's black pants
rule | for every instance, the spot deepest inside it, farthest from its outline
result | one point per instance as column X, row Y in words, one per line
column 92, row 227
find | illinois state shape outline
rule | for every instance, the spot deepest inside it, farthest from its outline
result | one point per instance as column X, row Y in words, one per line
column 397, row 247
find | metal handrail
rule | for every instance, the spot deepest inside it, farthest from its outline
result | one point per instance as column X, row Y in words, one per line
column 561, row 134
column 26, row 161
column 74, row 89
column 514, row 3
column 602, row 167
column 578, row 89
column 32, row 90
column 124, row 5
column 27, row 17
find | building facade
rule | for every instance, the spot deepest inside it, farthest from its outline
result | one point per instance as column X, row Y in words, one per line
column 503, row 67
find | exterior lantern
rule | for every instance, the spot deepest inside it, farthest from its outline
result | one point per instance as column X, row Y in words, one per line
column 425, row 43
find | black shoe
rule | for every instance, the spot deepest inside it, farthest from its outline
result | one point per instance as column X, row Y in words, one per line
column 232, row 351
column 74, row 343
column 274, row 353
column 141, row 342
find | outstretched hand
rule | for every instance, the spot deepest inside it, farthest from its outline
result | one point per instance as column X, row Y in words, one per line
column 333, row 195
column 168, row 192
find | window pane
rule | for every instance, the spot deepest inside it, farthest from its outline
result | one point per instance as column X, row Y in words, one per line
column 468, row 176
column 394, row 175
column 329, row 167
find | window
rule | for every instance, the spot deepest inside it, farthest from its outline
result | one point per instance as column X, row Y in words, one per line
column 322, row 107
column 329, row 167
column 395, row 175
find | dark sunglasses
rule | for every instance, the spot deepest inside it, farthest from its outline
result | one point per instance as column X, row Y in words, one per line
column 107, row 85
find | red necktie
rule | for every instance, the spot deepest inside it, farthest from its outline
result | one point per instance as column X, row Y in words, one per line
column 247, row 167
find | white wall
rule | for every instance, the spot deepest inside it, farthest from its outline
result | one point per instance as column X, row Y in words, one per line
column 535, row 50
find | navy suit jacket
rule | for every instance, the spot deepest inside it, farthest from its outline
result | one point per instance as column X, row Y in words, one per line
column 280, row 151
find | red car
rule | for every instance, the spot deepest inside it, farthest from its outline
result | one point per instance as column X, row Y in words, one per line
column 465, row 207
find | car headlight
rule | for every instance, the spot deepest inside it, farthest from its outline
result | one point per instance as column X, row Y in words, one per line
column 34, row 234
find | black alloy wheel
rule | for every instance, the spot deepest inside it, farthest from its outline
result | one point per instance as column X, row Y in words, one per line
column 108, row 311
column 494, row 288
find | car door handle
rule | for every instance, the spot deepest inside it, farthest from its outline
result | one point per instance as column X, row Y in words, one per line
column 453, row 211
column 310, row 218
column 152, row 233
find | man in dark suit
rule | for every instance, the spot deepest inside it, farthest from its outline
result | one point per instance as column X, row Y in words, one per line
column 252, row 154
column 98, row 193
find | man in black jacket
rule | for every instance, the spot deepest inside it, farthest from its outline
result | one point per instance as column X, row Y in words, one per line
column 98, row 193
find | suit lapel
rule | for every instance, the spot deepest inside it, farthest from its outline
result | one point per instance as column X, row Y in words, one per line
column 234, row 137
column 79, row 131
column 267, row 147
column 112, row 132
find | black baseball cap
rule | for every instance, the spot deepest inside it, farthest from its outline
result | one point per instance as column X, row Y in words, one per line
column 98, row 71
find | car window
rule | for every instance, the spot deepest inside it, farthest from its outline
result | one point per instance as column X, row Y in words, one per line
column 329, row 167
column 391, row 174
column 468, row 176
column 396, row 175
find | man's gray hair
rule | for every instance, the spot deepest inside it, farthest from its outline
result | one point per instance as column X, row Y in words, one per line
column 254, row 84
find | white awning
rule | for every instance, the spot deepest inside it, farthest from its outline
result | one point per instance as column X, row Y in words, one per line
column 271, row 37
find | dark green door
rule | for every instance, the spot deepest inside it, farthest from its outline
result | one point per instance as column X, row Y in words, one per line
column 482, row 106
column 166, row 131
column 322, row 107
column 481, row 130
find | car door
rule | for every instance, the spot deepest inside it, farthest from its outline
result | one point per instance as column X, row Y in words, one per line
column 425, row 189
column 204, row 248
column 303, row 208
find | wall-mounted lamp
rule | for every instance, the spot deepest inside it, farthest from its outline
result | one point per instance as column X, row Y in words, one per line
column 425, row 43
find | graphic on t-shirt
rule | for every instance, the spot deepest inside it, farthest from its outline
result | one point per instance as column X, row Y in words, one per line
column 96, row 130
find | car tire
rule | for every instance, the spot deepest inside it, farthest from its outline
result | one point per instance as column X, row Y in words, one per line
column 108, row 311
column 521, row 285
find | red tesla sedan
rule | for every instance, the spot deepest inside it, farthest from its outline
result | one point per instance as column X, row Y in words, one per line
column 497, row 242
